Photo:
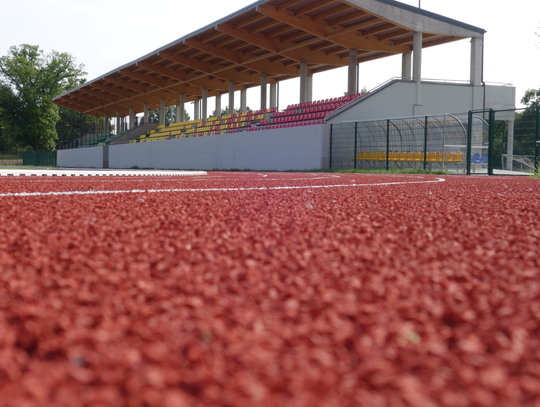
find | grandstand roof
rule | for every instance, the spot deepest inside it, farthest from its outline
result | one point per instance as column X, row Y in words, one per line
column 271, row 36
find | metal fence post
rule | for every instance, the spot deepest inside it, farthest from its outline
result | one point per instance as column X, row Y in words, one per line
column 425, row 142
column 469, row 142
column 331, row 129
column 491, row 140
column 537, row 140
column 387, row 144
column 355, row 137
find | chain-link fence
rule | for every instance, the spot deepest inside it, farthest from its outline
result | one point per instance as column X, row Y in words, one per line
column 436, row 142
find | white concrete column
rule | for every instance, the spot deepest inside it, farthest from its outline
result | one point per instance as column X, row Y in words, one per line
column 406, row 65
column 204, row 104
column 231, row 97
column 417, row 66
column 476, row 61
column 145, row 114
column 161, row 112
column 303, row 82
column 106, row 124
column 309, row 97
column 218, row 105
column 264, row 81
column 131, row 118
column 196, row 110
column 181, row 109
column 243, row 100
column 353, row 66
column 273, row 95
column 510, row 146
column 118, row 123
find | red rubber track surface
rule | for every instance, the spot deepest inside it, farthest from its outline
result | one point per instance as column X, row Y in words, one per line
column 420, row 292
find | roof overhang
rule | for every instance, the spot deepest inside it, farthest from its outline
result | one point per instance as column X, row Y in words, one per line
column 271, row 36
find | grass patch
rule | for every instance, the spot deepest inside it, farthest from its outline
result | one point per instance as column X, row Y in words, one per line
column 535, row 176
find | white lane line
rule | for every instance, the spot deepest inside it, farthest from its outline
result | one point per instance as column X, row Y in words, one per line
column 140, row 191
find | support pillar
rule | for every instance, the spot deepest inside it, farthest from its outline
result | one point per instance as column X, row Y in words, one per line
column 273, row 95
column 309, row 97
column 417, row 66
column 162, row 112
column 106, row 124
column 218, row 105
column 118, row 123
column 406, row 65
column 181, row 109
column 196, row 111
column 145, row 114
column 131, row 119
column 264, row 79
column 243, row 100
column 476, row 61
column 204, row 104
column 510, row 146
column 353, row 66
column 303, row 82
column 231, row 97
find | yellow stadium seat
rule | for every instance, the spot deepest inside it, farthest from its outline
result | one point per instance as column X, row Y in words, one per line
column 449, row 157
column 432, row 157
column 381, row 156
column 361, row 156
column 458, row 157
column 409, row 157
column 402, row 156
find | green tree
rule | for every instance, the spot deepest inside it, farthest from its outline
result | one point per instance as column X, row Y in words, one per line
column 29, row 80
column 531, row 99
column 225, row 111
column 170, row 116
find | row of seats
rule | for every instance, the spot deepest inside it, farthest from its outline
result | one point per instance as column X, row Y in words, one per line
column 303, row 114
column 286, row 119
column 434, row 157
column 284, row 126
column 218, row 127
column 342, row 99
column 319, row 108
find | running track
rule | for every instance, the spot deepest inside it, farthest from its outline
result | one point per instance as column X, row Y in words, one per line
column 270, row 289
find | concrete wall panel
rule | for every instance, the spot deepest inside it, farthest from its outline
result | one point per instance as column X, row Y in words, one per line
column 89, row 157
column 295, row 148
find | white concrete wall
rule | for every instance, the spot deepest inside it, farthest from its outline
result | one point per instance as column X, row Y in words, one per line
column 295, row 148
column 89, row 157
column 398, row 99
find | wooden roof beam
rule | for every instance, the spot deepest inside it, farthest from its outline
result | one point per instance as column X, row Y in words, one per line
column 249, row 21
column 319, row 30
column 347, row 18
column 379, row 29
column 313, row 6
column 288, row 4
column 330, row 12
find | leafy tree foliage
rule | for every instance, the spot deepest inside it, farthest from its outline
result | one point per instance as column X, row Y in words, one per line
column 225, row 111
column 29, row 80
column 170, row 116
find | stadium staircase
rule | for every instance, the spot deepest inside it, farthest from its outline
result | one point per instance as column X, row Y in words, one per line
column 133, row 134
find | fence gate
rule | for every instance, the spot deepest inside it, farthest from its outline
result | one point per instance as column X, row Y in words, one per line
column 512, row 146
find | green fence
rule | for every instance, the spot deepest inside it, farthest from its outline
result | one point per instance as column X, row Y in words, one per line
column 47, row 159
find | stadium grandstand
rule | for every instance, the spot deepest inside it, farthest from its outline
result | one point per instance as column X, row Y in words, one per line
column 262, row 45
